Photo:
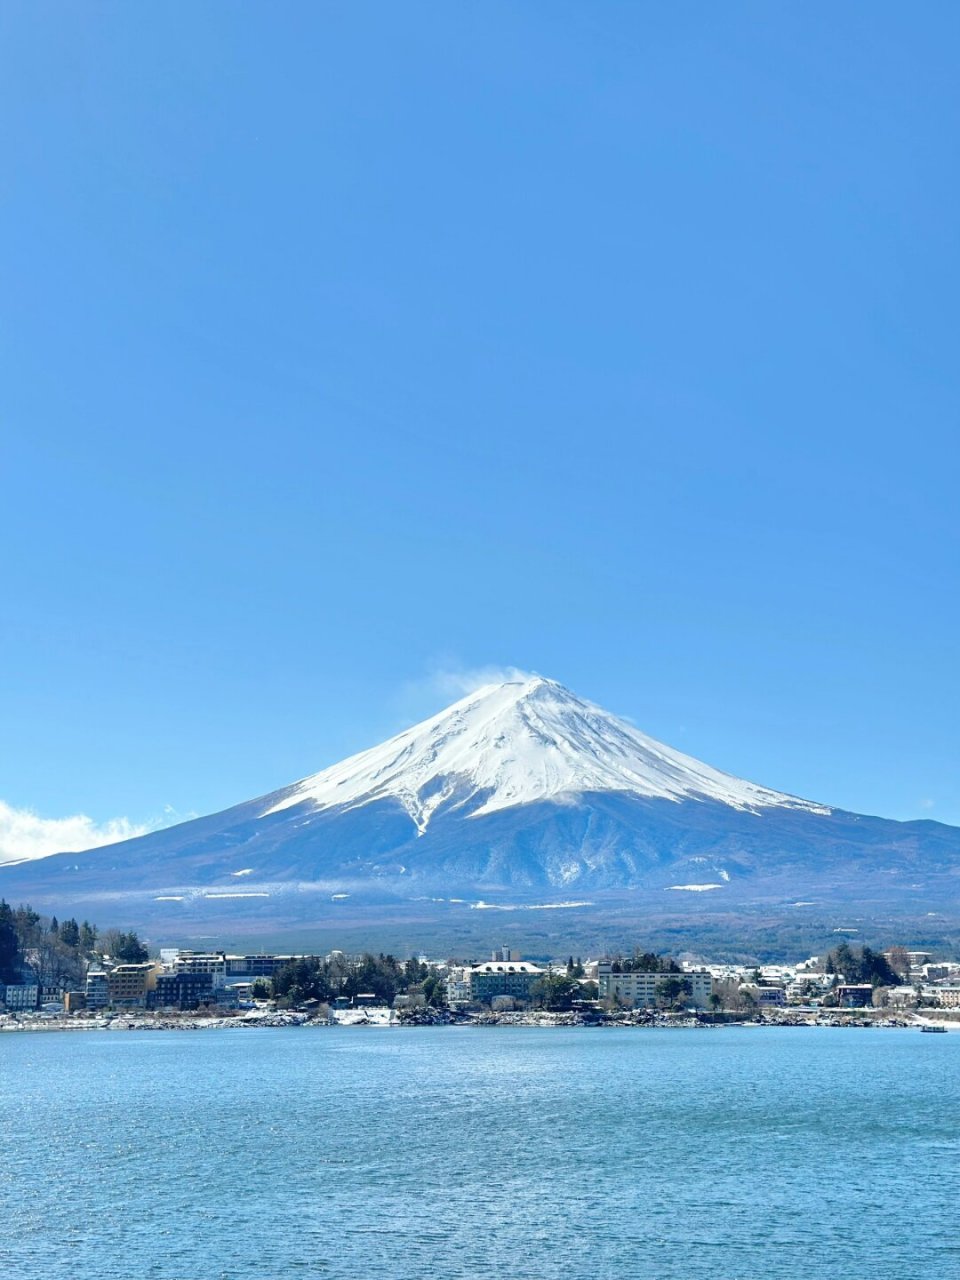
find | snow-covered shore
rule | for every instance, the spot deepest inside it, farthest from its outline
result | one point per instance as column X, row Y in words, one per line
column 382, row 1017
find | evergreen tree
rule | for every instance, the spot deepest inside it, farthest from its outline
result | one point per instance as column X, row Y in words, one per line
column 845, row 964
column 435, row 991
column 554, row 991
column 869, row 966
column 127, row 948
column 9, row 944
column 671, row 991
column 70, row 933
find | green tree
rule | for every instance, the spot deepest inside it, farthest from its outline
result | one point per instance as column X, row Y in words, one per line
column 554, row 991
column 845, row 963
column 647, row 962
column 130, row 950
column 300, row 980
column 27, row 924
column 876, row 969
column 378, row 975
column 125, row 947
column 869, row 966
column 70, row 933
column 435, row 991
column 9, row 944
column 672, row 990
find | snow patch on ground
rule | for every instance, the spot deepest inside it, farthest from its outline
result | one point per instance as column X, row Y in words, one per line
column 535, row 906
column 235, row 895
column 372, row 1016
column 694, row 888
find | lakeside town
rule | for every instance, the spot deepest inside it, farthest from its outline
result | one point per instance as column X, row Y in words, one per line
column 68, row 975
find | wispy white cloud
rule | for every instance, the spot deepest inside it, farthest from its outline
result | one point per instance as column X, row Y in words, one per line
column 25, row 835
column 446, row 681
column 927, row 803
column 457, row 682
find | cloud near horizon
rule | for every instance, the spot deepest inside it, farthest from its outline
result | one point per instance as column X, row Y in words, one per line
column 25, row 835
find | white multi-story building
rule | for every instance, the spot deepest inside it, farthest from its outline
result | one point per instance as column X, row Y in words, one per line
column 503, row 978
column 946, row 994
column 261, row 965
column 97, row 989
column 20, row 996
column 458, row 987
column 212, row 962
column 639, row 990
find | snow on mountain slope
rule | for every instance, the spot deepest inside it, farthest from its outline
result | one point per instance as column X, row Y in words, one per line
column 514, row 743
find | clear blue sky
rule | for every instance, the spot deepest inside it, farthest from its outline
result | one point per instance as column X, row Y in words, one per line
column 343, row 344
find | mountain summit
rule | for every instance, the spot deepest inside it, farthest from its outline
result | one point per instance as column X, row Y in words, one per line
column 519, row 797
column 516, row 743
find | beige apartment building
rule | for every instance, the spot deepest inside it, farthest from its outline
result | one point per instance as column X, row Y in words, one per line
column 639, row 990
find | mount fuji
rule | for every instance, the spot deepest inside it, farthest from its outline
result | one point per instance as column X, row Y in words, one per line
column 520, row 797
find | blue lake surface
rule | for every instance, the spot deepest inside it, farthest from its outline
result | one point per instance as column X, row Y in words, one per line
column 463, row 1152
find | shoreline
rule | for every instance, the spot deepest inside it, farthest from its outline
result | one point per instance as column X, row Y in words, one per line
column 390, row 1019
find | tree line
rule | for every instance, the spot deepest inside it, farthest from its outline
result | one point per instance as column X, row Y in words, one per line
column 56, row 953
column 868, row 967
column 327, row 979
column 643, row 962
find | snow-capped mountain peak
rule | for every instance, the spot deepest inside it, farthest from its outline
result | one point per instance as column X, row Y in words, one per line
column 524, row 740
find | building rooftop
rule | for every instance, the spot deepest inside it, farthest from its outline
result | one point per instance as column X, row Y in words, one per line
column 506, row 966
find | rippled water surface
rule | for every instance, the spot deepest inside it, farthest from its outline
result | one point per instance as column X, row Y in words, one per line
column 459, row 1152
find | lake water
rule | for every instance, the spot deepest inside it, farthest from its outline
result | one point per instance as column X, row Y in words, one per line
column 462, row 1152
